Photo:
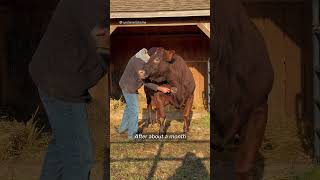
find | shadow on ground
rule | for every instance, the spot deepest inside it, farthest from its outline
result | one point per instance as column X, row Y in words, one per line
column 192, row 168
column 223, row 165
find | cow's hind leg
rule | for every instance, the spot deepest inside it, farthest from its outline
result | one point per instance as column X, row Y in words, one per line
column 251, row 139
column 186, row 114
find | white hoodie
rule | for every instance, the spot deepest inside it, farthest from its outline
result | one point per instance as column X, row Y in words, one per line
column 143, row 55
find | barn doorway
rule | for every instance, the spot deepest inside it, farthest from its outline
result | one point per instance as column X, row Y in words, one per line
column 283, row 27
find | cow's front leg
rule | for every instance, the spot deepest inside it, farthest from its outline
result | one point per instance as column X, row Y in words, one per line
column 149, row 118
column 186, row 114
column 157, row 116
column 161, row 113
column 250, row 142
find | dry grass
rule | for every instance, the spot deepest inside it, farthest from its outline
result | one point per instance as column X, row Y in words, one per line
column 116, row 105
column 160, row 159
column 19, row 139
column 313, row 174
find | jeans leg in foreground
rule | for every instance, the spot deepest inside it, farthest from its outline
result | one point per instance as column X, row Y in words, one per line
column 70, row 154
column 132, row 110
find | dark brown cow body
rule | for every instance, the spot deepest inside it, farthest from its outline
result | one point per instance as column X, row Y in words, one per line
column 243, row 79
column 167, row 66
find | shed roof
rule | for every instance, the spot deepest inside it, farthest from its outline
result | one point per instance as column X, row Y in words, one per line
column 162, row 8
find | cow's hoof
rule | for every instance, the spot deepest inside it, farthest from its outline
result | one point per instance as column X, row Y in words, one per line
column 236, row 140
column 161, row 131
column 186, row 130
column 146, row 124
column 140, row 131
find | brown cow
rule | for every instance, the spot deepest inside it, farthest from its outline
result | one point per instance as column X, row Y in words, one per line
column 243, row 79
column 165, row 65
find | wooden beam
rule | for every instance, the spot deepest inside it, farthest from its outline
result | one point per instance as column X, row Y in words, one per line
column 190, row 13
column 273, row 1
column 128, row 21
column 112, row 28
column 158, row 24
column 205, row 27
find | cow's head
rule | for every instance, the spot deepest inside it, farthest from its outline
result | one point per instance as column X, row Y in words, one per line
column 158, row 66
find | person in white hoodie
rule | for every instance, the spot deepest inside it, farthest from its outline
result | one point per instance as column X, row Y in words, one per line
column 130, row 82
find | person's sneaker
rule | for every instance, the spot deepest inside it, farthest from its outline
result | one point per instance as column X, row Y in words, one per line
column 117, row 130
column 131, row 139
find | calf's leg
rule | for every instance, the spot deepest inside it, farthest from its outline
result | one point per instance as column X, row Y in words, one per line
column 161, row 113
column 251, row 139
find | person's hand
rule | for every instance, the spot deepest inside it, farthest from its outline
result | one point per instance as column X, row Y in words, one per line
column 164, row 89
column 142, row 74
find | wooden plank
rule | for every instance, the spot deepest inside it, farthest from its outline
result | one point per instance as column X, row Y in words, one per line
column 293, row 43
column 113, row 28
column 205, row 27
column 157, row 24
column 191, row 13
column 272, row 1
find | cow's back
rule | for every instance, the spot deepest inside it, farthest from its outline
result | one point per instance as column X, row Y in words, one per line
column 180, row 72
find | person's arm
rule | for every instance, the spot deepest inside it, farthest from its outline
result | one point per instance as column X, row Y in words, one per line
column 156, row 87
column 92, row 22
column 151, row 86
column 101, row 36
column 89, row 14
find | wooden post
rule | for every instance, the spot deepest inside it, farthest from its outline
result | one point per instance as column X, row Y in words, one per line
column 3, row 55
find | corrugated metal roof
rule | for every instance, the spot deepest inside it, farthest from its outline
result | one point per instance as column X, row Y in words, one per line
column 156, row 6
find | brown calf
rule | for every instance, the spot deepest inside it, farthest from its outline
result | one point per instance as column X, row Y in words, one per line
column 159, row 101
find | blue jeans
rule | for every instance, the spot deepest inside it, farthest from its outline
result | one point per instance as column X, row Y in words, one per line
column 70, row 153
column 130, row 115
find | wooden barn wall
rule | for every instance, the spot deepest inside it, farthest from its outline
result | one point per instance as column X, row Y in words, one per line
column 22, row 31
column 4, row 24
column 285, row 29
column 193, row 48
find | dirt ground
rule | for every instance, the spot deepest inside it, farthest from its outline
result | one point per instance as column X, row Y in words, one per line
column 282, row 156
column 179, row 158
